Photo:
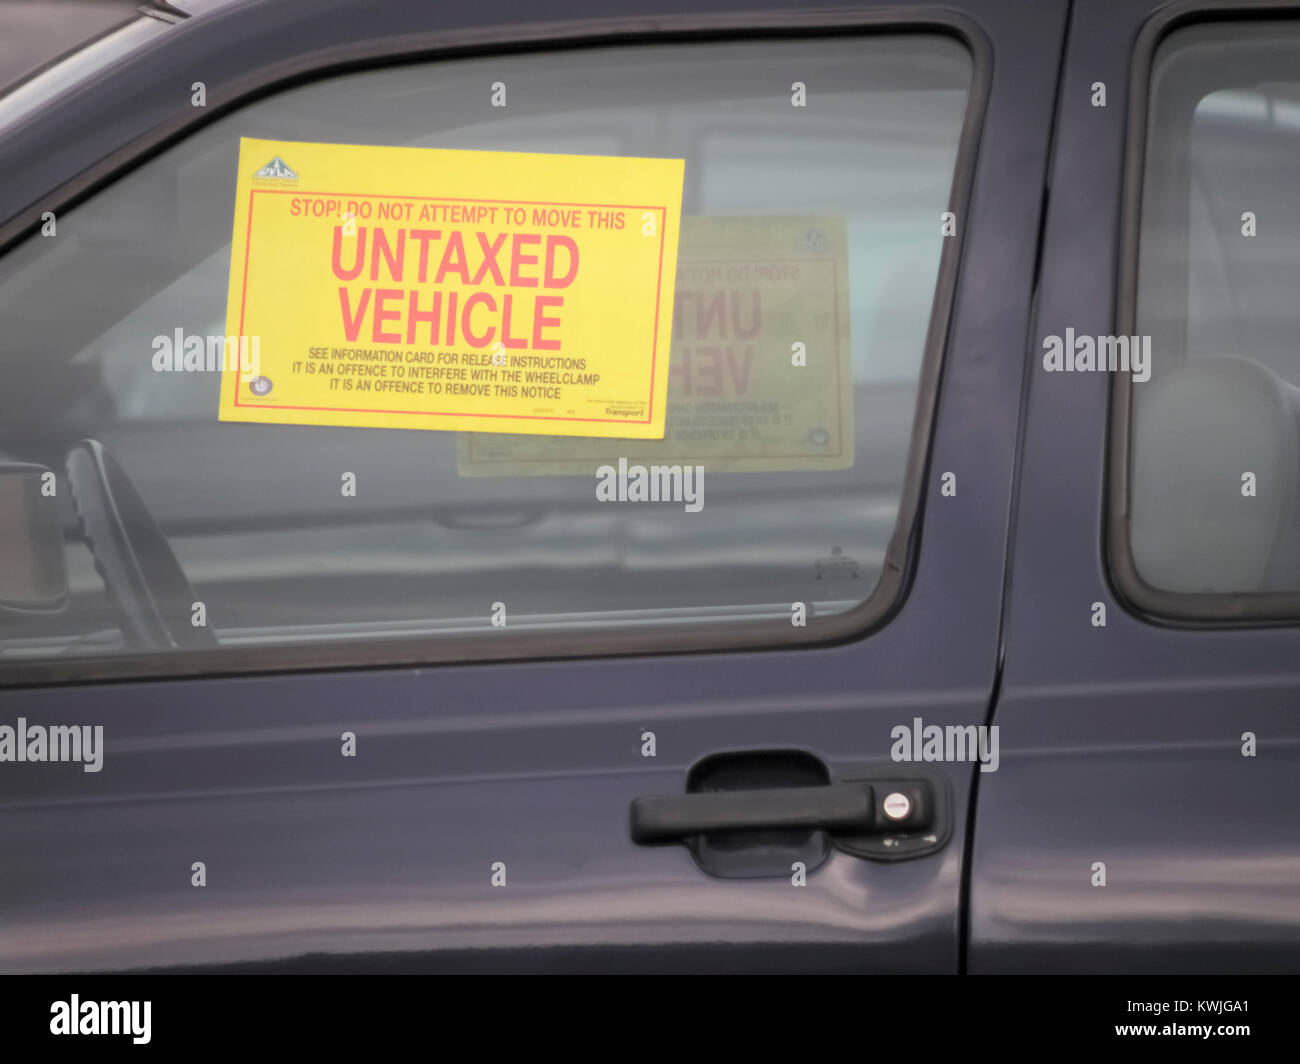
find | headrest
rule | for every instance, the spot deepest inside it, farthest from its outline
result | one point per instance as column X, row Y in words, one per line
column 1198, row 427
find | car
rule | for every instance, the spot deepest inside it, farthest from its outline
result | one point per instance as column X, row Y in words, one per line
column 977, row 655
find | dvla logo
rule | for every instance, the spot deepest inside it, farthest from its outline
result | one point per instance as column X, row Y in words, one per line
column 277, row 168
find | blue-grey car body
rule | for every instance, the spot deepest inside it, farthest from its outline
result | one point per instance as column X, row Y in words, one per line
column 1117, row 744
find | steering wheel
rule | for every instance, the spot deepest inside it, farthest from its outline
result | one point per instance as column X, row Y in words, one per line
column 145, row 582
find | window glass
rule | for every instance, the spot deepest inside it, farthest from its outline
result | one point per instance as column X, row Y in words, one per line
column 1216, row 428
column 802, row 482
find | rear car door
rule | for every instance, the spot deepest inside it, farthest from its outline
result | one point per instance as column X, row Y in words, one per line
column 1144, row 814
column 386, row 698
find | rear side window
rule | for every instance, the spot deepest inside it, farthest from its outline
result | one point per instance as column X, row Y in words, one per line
column 817, row 177
column 1215, row 458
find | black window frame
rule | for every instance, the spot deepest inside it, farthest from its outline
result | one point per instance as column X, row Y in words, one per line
column 869, row 616
column 1187, row 609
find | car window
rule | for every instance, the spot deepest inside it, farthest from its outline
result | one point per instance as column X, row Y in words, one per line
column 823, row 165
column 1215, row 444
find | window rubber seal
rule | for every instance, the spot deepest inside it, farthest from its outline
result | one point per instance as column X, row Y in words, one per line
column 1177, row 609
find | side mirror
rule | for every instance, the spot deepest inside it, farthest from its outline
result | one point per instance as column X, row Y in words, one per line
column 33, row 573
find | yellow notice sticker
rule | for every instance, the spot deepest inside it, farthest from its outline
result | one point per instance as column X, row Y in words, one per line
column 760, row 376
column 422, row 288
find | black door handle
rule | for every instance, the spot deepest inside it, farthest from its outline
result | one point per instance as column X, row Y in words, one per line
column 846, row 807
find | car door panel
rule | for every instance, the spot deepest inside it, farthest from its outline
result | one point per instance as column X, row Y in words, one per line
column 1123, row 745
column 524, row 771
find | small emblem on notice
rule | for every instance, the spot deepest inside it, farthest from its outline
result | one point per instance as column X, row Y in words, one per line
column 837, row 565
column 814, row 240
column 277, row 168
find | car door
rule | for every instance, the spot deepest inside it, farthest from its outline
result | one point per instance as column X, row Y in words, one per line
column 1143, row 817
column 452, row 718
